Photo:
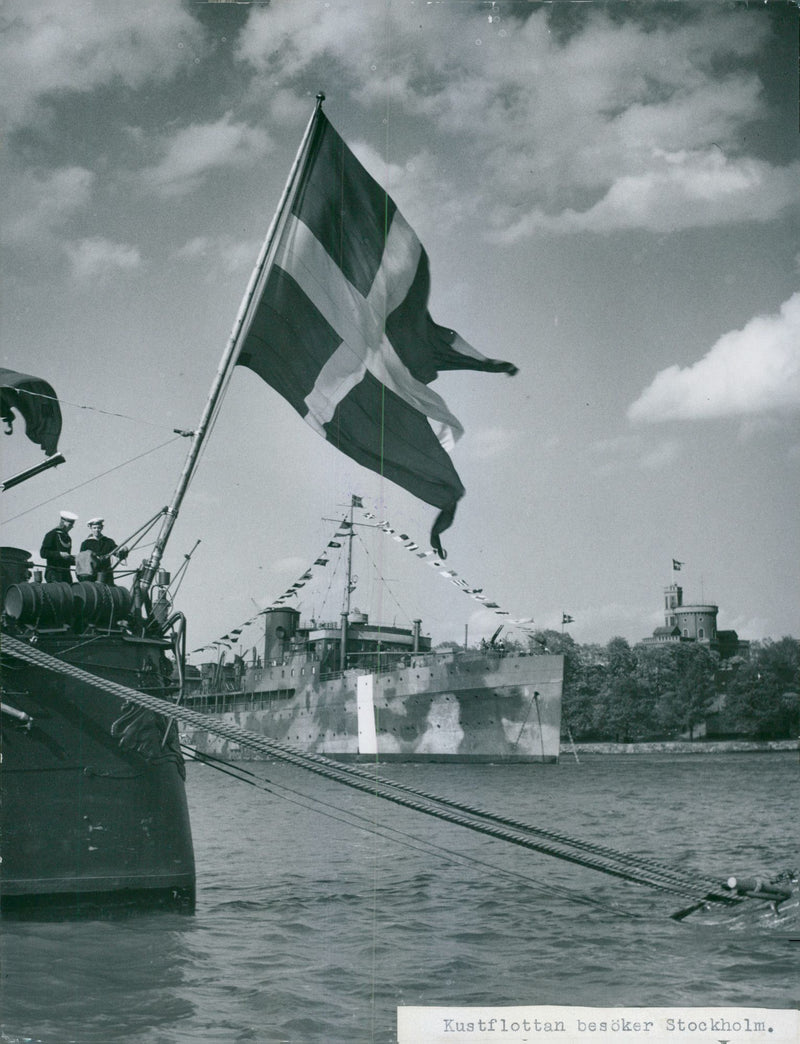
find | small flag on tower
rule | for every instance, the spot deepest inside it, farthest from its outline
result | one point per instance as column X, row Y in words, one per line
column 566, row 618
column 676, row 565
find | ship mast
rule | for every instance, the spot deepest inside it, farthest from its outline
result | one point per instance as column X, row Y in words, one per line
column 347, row 590
column 225, row 369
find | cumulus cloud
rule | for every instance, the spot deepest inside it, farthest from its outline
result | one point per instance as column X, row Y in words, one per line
column 619, row 454
column 490, row 443
column 97, row 257
column 37, row 206
column 198, row 247
column 680, row 190
column 232, row 254
column 196, row 150
column 49, row 45
column 751, row 371
column 614, row 124
column 661, row 455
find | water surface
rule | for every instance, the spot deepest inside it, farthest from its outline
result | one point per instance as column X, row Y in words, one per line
column 320, row 910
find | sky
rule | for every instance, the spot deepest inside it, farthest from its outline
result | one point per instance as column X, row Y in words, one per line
column 609, row 195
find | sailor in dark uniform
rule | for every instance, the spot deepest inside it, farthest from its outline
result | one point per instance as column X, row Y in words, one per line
column 101, row 548
column 56, row 550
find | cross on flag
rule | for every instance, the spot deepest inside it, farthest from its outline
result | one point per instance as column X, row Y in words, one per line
column 341, row 329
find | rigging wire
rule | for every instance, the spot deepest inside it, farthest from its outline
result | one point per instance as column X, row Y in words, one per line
column 380, row 579
column 90, row 409
column 94, row 478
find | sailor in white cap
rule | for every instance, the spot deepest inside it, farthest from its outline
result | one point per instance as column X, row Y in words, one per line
column 101, row 548
column 56, row 550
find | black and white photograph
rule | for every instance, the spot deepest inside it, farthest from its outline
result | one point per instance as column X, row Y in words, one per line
column 400, row 561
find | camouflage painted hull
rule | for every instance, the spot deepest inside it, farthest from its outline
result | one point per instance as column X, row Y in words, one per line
column 441, row 707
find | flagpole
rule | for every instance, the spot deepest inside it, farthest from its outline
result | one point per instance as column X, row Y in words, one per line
column 229, row 356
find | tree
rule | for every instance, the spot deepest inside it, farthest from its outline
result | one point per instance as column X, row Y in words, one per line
column 763, row 699
column 689, row 699
column 613, row 692
column 448, row 647
column 618, row 703
column 584, row 666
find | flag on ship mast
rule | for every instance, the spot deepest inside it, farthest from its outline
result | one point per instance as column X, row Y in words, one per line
column 339, row 326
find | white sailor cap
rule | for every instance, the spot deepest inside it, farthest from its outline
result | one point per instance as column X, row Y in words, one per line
column 68, row 516
column 95, row 521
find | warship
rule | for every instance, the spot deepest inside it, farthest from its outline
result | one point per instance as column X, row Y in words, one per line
column 399, row 701
column 352, row 689
column 335, row 319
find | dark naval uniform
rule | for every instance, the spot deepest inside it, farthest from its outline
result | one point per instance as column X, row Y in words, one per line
column 101, row 546
column 56, row 550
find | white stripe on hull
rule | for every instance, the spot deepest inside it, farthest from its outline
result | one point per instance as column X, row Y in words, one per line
column 483, row 711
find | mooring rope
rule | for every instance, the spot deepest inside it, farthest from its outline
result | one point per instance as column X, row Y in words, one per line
column 633, row 868
column 392, row 833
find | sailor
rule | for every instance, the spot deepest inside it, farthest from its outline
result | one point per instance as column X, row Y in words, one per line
column 100, row 548
column 56, row 550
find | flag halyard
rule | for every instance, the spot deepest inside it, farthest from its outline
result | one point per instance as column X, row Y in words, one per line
column 341, row 329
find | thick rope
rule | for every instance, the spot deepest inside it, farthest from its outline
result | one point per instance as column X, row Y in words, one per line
column 402, row 837
column 635, row 869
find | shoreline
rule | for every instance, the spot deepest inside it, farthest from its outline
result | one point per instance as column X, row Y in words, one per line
column 682, row 747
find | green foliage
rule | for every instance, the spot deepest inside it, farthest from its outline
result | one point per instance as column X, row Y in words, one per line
column 763, row 693
column 690, row 697
column 622, row 694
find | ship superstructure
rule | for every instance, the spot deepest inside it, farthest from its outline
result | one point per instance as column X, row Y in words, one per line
column 388, row 696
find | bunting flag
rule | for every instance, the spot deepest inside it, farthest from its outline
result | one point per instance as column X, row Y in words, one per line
column 525, row 624
column 676, row 565
column 340, row 328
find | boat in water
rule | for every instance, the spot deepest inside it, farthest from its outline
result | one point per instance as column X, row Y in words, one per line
column 356, row 690
column 94, row 811
column 335, row 319
column 395, row 699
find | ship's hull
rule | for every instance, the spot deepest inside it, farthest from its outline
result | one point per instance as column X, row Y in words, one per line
column 94, row 811
column 470, row 708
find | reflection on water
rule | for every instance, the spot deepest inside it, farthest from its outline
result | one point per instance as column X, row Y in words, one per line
column 312, row 929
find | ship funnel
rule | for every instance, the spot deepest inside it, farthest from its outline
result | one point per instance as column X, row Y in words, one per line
column 280, row 626
column 417, row 629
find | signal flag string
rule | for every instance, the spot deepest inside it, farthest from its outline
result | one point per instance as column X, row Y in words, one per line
column 430, row 558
